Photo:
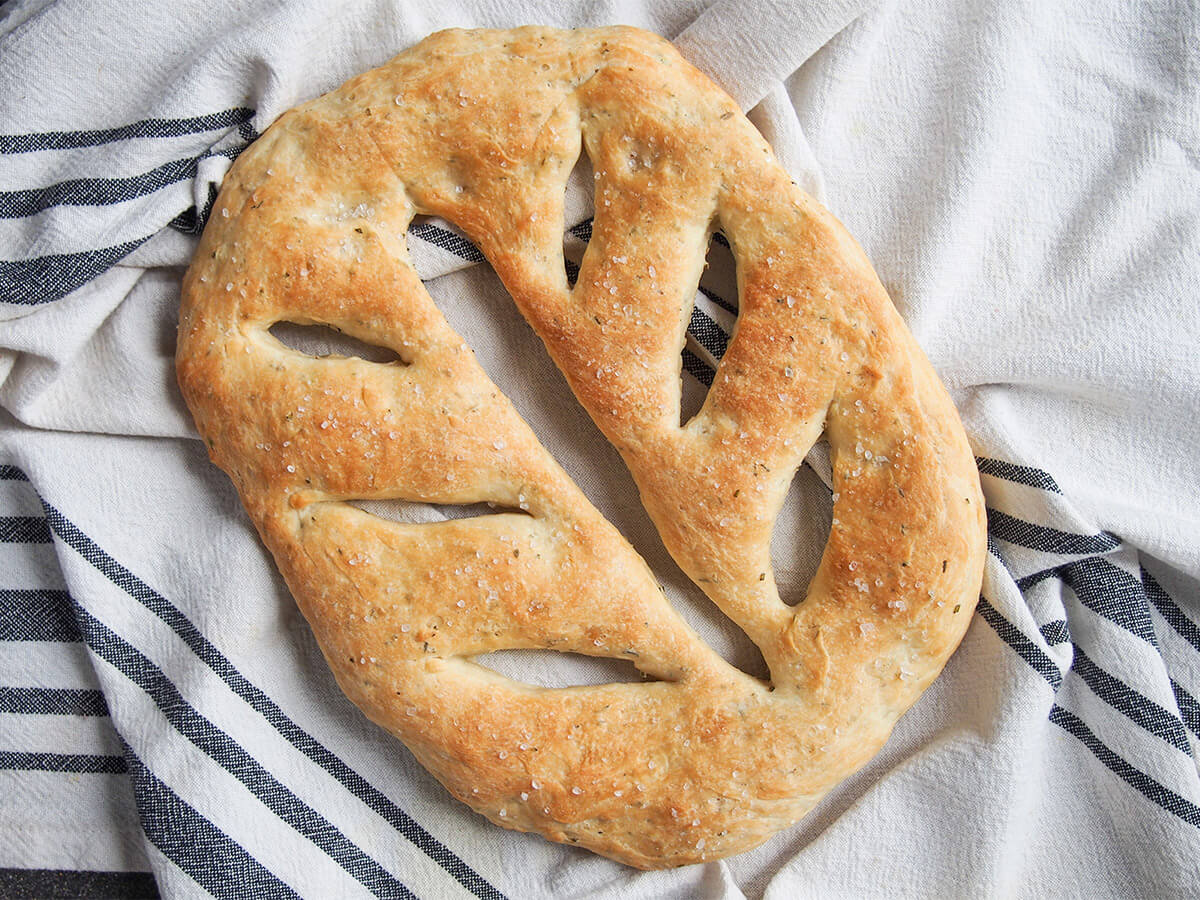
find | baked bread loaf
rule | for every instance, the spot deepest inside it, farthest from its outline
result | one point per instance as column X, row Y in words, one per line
column 483, row 128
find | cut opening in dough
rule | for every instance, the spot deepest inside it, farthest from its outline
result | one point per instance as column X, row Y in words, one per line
column 713, row 317
column 453, row 248
column 721, row 633
column 515, row 357
column 578, row 209
column 574, row 243
column 327, row 341
column 802, row 529
column 554, row 669
column 410, row 512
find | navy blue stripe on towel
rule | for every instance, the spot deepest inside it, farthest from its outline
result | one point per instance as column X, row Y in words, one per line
column 208, row 855
column 39, row 884
column 45, row 701
column 1189, row 707
column 1046, row 539
column 30, row 614
column 232, row 757
column 23, row 530
column 43, row 279
column 145, row 128
column 265, row 706
column 1106, row 590
column 1026, row 475
column 1130, row 703
column 1037, row 660
column 1169, row 610
column 1145, row 785
column 447, row 240
column 94, row 191
column 698, row 368
column 1023, row 646
column 708, row 333
column 103, row 191
column 75, row 763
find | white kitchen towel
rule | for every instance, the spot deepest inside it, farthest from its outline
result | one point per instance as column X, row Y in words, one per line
column 1025, row 178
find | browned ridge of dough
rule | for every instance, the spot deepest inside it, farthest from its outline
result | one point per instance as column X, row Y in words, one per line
column 483, row 128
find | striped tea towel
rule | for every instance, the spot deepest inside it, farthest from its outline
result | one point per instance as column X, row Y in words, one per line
column 1024, row 177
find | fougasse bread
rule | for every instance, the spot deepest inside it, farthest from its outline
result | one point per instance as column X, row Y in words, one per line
column 483, row 128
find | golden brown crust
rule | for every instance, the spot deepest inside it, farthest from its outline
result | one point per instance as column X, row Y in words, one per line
column 483, row 128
